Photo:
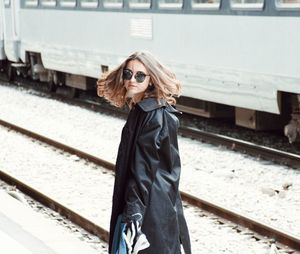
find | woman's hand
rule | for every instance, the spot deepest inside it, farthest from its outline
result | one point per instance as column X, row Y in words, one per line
column 134, row 238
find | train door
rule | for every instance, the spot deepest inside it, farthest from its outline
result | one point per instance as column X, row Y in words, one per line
column 2, row 54
column 15, row 9
column 11, row 30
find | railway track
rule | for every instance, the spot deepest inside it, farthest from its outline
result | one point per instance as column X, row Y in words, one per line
column 260, row 228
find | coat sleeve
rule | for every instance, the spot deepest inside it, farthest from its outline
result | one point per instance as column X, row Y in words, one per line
column 143, row 167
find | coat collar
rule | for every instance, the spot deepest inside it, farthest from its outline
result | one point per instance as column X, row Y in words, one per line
column 150, row 104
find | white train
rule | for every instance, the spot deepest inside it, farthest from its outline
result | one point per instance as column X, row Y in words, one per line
column 235, row 58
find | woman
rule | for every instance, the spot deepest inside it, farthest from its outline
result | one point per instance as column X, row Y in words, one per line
column 146, row 197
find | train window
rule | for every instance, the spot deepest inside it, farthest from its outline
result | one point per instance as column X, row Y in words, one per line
column 288, row 4
column 170, row 4
column 249, row 5
column 31, row 2
column 113, row 3
column 7, row 3
column 89, row 3
column 206, row 4
column 48, row 2
column 139, row 4
column 67, row 3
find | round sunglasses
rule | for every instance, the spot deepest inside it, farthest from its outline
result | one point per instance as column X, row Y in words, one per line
column 139, row 76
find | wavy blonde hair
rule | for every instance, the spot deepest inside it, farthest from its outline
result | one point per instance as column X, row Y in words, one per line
column 164, row 84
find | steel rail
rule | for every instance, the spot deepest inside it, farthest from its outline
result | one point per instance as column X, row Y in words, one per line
column 244, row 221
column 56, row 206
column 263, row 152
column 262, row 229
column 58, row 145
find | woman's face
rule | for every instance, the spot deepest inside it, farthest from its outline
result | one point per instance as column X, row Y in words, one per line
column 136, row 78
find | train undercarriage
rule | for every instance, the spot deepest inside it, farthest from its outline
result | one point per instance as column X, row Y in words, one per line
column 292, row 129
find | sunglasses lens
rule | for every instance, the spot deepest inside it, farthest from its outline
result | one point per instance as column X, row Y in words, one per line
column 140, row 77
column 127, row 74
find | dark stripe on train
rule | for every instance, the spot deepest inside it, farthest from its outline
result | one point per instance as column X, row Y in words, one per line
column 269, row 9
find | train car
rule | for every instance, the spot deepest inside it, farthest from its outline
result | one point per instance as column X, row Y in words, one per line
column 235, row 58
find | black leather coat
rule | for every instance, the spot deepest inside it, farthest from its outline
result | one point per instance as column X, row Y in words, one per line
column 147, row 177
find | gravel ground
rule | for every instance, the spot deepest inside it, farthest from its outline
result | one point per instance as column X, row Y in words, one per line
column 87, row 189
